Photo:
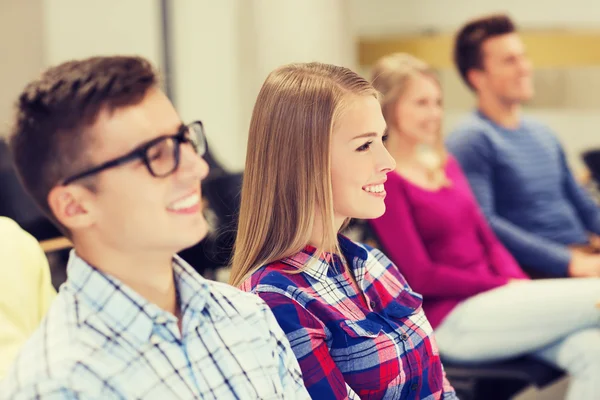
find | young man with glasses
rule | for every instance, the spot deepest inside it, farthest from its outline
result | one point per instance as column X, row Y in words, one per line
column 102, row 150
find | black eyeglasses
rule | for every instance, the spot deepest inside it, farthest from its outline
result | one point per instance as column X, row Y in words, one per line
column 161, row 155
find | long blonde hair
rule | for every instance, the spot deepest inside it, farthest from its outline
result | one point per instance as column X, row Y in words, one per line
column 287, row 178
column 390, row 76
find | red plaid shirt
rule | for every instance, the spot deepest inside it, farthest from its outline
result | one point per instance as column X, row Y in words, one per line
column 377, row 347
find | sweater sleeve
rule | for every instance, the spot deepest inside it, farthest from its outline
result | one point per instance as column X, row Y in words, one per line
column 401, row 240
column 501, row 261
column 474, row 154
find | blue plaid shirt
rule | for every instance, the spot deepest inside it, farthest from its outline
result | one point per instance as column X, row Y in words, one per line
column 102, row 340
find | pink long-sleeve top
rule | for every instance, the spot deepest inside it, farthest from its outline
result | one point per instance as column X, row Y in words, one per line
column 441, row 242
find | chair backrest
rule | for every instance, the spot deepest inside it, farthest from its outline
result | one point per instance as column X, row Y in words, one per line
column 499, row 380
column 362, row 231
column 222, row 192
column 16, row 203
column 591, row 158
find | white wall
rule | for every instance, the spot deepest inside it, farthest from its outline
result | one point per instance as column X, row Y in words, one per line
column 380, row 17
column 84, row 28
column 298, row 31
column 224, row 50
column 35, row 34
column 21, row 52
column 207, row 68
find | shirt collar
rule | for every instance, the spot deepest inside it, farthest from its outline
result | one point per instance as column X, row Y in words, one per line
column 320, row 266
column 123, row 311
column 194, row 291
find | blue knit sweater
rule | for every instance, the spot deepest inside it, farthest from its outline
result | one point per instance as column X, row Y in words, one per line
column 526, row 190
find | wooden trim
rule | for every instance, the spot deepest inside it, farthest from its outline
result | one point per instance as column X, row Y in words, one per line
column 547, row 49
column 56, row 244
column 435, row 50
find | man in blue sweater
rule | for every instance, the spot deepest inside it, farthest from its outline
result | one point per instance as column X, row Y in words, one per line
column 515, row 165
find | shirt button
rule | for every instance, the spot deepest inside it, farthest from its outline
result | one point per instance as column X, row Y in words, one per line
column 160, row 320
column 372, row 303
column 414, row 386
column 404, row 337
column 155, row 339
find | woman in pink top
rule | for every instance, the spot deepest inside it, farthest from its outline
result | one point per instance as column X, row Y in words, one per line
column 480, row 303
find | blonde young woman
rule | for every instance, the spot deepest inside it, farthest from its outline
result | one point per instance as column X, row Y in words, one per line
column 316, row 158
column 481, row 304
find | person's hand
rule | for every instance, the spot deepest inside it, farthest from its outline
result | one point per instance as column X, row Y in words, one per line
column 584, row 265
column 595, row 242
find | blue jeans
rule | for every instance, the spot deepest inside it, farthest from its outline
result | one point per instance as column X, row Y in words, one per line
column 556, row 320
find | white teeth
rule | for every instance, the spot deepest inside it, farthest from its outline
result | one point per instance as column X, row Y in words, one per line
column 374, row 188
column 186, row 202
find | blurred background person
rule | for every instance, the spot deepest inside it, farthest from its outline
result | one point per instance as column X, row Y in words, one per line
column 475, row 293
column 515, row 164
column 26, row 291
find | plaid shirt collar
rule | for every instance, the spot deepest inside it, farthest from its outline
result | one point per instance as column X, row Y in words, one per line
column 105, row 299
column 321, row 266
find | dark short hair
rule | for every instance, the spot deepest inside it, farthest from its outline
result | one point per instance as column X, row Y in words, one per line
column 49, row 141
column 470, row 39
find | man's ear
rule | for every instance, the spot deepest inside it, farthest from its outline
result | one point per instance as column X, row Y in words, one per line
column 476, row 78
column 72, row 206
